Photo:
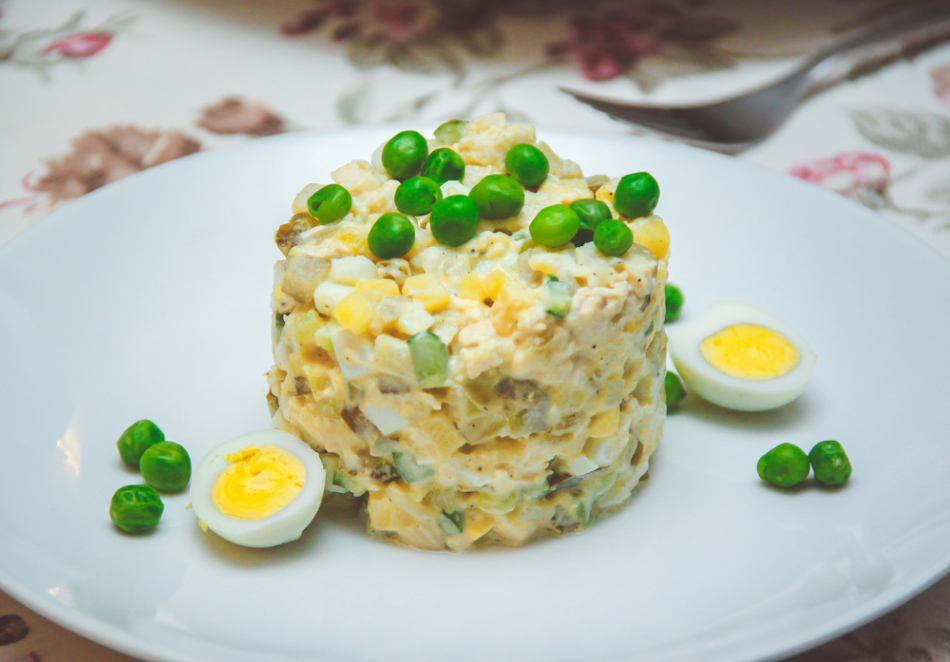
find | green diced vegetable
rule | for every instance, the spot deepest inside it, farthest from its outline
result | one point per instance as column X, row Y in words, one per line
column 404, row 154
column 410, row 470
column 454, row 220
column 449, row 133
column 674, row 389
column 498, row 197
column 136, row 439
column 452, row 523
column 391, row 236
column 613, row 238
column 330, row 204
column 430, row 359
column 527, row 164
column 786, row 465
column 417, row 195
column 554, row 226
column 136, row 508
column 830, row 462
column 559, row 298
column 674, row 302
column 444, row 165
column 166, row 466
column 636, row 195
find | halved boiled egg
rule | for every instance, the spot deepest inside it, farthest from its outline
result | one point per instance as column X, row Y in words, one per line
column 258, row 490
column 740, row 357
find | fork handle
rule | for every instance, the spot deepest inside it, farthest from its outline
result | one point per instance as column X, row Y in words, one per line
column 907, row 37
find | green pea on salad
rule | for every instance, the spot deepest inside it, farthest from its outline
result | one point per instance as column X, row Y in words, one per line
column 330, row 204
column 404, row 154
column 417, row 195
column 391, row 236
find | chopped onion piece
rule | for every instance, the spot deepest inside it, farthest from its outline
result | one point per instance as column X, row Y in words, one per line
column 353, row 352
column 386, row 419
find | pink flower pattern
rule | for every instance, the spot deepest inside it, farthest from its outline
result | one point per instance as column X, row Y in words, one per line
column 79, row 44
column 605, row 46
column 861, row 176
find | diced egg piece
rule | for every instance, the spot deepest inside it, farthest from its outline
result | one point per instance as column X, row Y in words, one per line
column 258, row 490
column 740, row 357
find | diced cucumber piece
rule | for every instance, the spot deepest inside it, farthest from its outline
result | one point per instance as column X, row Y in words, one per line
column 410, row 470
column 559, row 298
column 430, row 359
column 452, row 523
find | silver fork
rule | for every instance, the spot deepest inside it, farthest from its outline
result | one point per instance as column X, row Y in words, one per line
column 736, row 123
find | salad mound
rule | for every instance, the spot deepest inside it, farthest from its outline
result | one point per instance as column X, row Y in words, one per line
column 477, row 356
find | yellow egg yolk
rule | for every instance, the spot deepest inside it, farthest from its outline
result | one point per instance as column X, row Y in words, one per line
column 749, row 351
column 258, row 482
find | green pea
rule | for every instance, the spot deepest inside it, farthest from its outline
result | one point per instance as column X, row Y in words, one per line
column 674, row 389
column 430, row 359
column 786, row 465
column 527, row 164
column 135, row 439
column 391, row 236
column 136, row 508
column 636, row 195
column 454, row 220
column 330, row 204
column 591, row 213
column 449, row 133
column 613, row 238
column 830, row 462
column 554, row 226
column 674, row 302
column 497, row 197
column 443, row 165
column 404, row 154
column 417, row 196
column 166, row 466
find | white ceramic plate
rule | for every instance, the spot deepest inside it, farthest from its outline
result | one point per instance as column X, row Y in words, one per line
column 150, row 298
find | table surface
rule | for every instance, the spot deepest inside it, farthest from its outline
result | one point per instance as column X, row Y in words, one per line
column 96, row 90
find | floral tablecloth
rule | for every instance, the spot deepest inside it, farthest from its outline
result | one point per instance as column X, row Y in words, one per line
column 95, row 90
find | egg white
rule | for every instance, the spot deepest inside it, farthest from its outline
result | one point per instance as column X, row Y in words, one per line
column 283, row 526
column 726, row 390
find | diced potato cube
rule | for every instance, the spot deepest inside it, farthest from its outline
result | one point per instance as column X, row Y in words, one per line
column 352, row 269
column 354, row 312
column 377, row 289
column 305, row 326
column 299, row 205
column 471, row 287
column 427, row 290
column 652, row 233
column 392, row 355
column 414, row 320
column 604, row 424
column 328, row 294
column 493, row 283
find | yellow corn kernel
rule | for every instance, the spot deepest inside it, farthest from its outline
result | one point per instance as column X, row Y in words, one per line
column 652, row 234
column 354, row 312
column 604, row 424
column 428, row 291
column 377, row 289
